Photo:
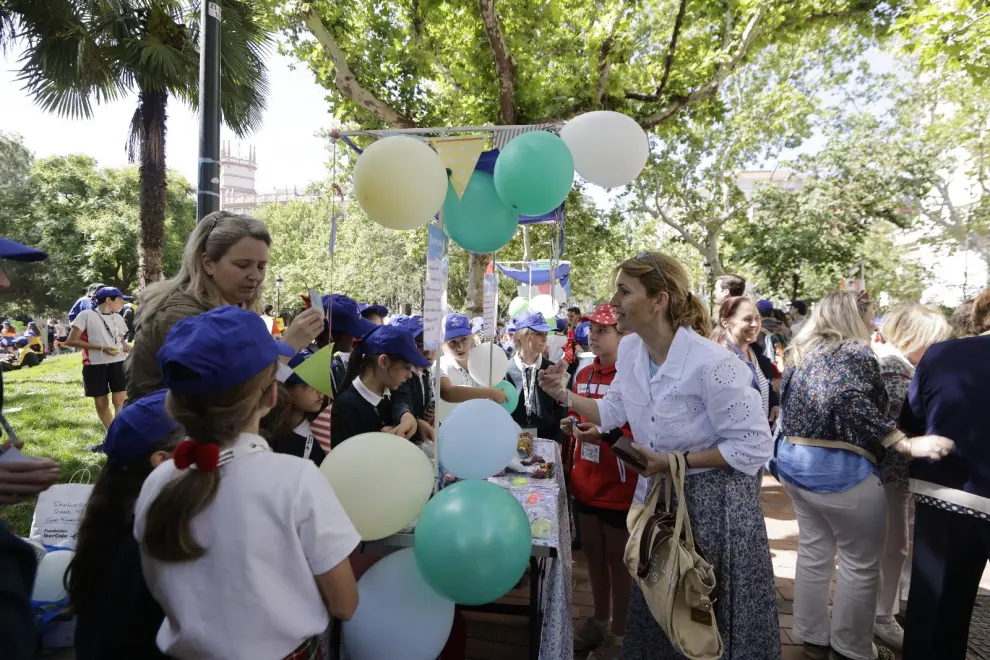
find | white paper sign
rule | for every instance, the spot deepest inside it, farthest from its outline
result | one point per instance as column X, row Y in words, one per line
column 491, row 305
column 435, row 299
column 58, row 513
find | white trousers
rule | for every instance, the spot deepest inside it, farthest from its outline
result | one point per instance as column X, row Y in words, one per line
column 896, row 552
column 854, row 523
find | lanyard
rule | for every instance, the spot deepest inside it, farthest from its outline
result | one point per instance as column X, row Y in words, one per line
column 309, row 446
column 113, row 337
column 529, row 388
column 752, row 367
column 228, row 455
column 591, row 376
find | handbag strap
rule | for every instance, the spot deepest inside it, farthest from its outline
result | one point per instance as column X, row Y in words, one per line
column 675, row 460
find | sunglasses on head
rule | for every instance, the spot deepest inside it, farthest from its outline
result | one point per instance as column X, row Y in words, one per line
column 646, row 256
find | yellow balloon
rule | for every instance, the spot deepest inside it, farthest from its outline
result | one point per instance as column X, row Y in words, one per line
column 400, row 182
column 382, row 481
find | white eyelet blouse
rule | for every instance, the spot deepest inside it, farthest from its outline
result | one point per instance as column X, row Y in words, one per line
column 702, row 396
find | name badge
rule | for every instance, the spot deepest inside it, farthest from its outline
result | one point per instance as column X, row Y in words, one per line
column 590, row 452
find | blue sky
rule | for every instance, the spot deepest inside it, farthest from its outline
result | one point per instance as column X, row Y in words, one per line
column 289, row 153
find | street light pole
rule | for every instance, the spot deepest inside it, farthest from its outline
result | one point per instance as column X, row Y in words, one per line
column 208, row 185
column 278, row 294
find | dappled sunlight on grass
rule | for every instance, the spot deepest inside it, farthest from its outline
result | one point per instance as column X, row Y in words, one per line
column 46, row 407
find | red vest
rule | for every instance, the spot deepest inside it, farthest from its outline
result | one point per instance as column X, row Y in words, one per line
column 607, row 484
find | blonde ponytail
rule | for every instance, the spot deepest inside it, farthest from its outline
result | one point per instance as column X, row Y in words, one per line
column 660, row 273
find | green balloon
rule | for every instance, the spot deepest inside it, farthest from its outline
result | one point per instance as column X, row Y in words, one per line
column 517, row 306
column 534, row 173
column 512, row 395
column 472, row 542
column 479, row 222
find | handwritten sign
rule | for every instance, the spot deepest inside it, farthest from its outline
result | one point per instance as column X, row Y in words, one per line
column 58, row 513
column 490, row 303
column 435, row 299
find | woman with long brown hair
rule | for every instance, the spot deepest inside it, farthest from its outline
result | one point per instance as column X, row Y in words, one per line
column 246, row 550
column 224, row 263
column 679, row 391
column 738, row 329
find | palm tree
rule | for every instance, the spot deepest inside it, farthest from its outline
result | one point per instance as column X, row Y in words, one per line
column 78, row 52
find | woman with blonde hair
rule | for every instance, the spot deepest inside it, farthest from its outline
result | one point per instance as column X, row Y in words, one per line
column 224, row 263
column 907, row 333
column 680, row 391
column 837, row 432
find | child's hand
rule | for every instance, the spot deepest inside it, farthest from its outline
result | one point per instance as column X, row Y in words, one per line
column 425, row 429
column 406, row 428
column 497, row 395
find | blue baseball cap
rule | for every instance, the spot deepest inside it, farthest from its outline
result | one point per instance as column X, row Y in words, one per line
column 345, row 317
column 390, row 340
column 533, row 321
column 108, row 292
column 510, row 327
column 294, row 362
column 138, row 429
column 411, row 324
column 582, row 333
column 561, row 325
column 380, row 310
column 217, row 350
column 21, row 341
column 16, row 252
column 455, row 325
column 764, row 306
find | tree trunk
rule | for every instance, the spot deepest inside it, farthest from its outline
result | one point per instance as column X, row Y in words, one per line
column 153, row 185
column 476, row 284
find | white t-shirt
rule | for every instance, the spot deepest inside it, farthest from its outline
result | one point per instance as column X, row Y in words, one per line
column 275, row 523
column 103, row 330
column 459, row 377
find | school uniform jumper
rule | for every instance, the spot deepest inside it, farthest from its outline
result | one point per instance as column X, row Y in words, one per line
column 358, row 410
column 414, row 396
column 536, row 408
column 300, row 442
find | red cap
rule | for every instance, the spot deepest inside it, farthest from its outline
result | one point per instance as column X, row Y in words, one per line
column 604, row 314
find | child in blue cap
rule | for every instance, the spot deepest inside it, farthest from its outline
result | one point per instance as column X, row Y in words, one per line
column 100, row 332
column 374, row 313
column 381, row 362
column 537, row 410
column 344, row 326
column 287, row 426
column 415, row 396
column 117, row 616
column 245, row 549
column 456, row 383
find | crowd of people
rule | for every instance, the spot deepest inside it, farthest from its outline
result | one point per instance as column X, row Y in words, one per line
column 210, row 532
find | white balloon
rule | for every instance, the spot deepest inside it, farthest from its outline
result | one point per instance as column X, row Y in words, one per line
column 48, row 585
column 544, row 304
column 400, row 182
column 610, row 149
column 487, row 364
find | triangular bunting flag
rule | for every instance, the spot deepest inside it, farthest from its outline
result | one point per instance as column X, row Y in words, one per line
column 460, row 155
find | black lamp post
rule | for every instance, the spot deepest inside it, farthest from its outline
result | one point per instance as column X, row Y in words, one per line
column 709, row 288
column 278, row 294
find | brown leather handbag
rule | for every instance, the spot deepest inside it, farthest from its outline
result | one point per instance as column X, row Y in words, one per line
column 676, row 581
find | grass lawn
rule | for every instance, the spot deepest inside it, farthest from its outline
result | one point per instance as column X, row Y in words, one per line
column 46, row 407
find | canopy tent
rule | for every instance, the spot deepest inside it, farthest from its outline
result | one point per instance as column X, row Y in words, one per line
column 538, row 272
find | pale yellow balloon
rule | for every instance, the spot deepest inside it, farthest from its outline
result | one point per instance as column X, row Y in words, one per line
column 400, row 182
column 383, row 482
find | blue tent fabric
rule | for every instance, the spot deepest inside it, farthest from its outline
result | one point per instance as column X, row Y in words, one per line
column 540, row 275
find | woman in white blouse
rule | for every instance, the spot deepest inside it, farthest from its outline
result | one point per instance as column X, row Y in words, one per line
column 681, row 391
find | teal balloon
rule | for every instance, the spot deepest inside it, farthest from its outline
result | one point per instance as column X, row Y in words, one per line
column 512, row 393
column 472, row 542
column 534, row 173
column 479, row 221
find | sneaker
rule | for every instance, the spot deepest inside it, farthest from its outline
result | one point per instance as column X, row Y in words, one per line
column 609, row 650
column 589, row 634
column 815, row 652
column 889, row 632
column 879, row 653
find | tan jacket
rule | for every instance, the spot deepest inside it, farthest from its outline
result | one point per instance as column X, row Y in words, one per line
column 143, row 375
